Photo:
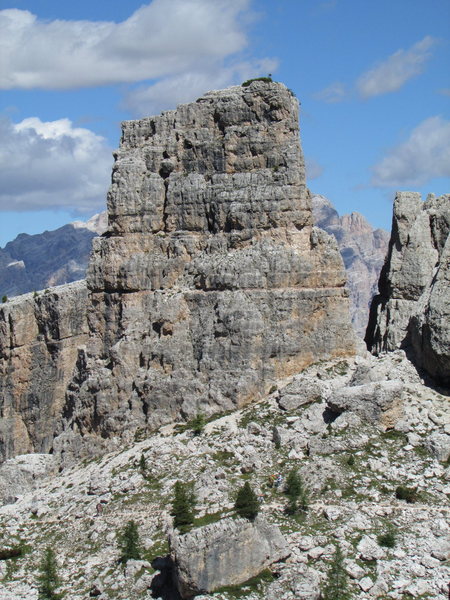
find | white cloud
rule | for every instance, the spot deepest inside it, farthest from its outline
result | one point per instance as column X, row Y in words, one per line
column 335, row 92
column 161, row 39
column 395, row 71
column 170, row 91
column 313, row 169
column 424, row 155
column 45, row 165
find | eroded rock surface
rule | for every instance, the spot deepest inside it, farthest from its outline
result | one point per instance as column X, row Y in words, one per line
column 39, row 339
column 412, row 310
column 211, row 281
column 225, row 553
column 209, row 285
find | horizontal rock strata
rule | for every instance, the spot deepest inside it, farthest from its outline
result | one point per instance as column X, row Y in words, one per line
column 412, row 310
column 210, row 282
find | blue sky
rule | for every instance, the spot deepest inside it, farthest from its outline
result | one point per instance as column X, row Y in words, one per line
column 373, row 79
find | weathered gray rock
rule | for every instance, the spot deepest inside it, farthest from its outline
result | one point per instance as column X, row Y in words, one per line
column 298, row 393
column 39, row 340
column 225, row 553
column 412, row 310
column 379, row 403
column 22, row 474
column 211, row 282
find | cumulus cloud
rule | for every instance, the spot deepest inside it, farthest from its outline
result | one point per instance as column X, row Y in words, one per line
column 45, row 165
column 335, row 92
column 160, row 39
column 424, row 155
column 395, row 71
column 170, row 91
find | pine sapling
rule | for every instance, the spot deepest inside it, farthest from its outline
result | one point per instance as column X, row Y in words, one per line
column 247, row 505
column 129, row 543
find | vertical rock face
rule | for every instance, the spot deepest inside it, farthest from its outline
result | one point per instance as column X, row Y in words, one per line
column 363, row 250
column 412, row 310
column 39, row 337
column 210, row 282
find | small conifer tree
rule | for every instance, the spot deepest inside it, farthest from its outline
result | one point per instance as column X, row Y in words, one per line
column 129, row 543
column 4, row 299
column 246, row 505
column 48, row 578
column 295, row 491
column 183, row 506
column 143, row 464
column 336, row 585
column 198, row 423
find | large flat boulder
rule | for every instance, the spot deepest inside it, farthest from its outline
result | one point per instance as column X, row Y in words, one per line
column 228, row 552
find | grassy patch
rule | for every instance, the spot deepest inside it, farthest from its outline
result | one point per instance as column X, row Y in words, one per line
column 254, row 585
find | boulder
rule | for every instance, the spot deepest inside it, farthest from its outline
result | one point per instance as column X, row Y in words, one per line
column 228, row 552
column 380, row 403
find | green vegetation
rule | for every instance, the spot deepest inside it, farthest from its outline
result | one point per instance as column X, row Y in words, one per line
column 183, row 506
column 4, row 299
column 387, row 539
column 129, row 543
column 16, row 551
column 264, row 79
column 350, row 460
column 295, row 491
column 197, row 424
column 408, row 494
column 253, row 585
column 48, row 579
column 143, row 464
column 246, row 505
column 336, row 585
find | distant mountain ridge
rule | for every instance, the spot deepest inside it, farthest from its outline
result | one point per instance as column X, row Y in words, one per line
column 363, row 250
column 35, row 262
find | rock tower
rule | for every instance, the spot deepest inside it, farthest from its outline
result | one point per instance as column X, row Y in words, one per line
column 210, row 283
column 412, row 310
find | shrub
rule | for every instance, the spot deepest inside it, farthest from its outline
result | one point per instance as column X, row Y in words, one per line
column 351, row 460
column 129, row 543
column 336, row 585
column 246, row 505
column 388, row 539
column 143, row 464
column 264, row 79
column 4, row 299
column 183, row 506
column 48, row 578
column 406, row 493
column 13, row 551
column 197, row 424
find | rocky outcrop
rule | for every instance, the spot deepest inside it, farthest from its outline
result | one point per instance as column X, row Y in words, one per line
column 39, row 339
column 412, row 310
column 225, row 553
column 363, row 250
column 210, row 283
column 36, row 262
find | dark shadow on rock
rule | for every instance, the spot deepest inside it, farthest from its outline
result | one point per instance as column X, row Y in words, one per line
column 329, row 416
column 162, row 585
